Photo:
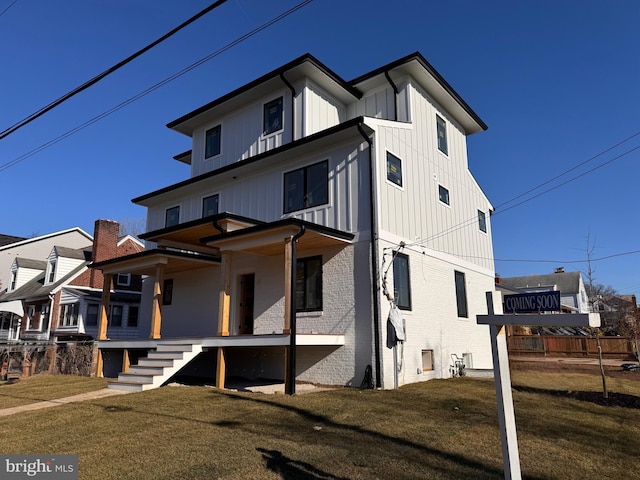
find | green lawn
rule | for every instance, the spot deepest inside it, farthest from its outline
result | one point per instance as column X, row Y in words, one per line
column 441, row 429
column 46, row 387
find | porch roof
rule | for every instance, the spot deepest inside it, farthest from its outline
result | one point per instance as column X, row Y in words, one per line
column 145, row 263
column 267, row 239
column 190, row 233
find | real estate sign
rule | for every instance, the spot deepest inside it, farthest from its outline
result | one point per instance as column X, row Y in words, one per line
column 532, row 302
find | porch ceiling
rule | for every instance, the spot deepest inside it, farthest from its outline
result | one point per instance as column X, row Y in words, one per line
column 145, row 263
column 269, row 239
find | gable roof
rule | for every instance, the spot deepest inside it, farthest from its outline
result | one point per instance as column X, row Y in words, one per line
column 49, row 235
column 565, row 282
column 77, row 253
column 30, row 263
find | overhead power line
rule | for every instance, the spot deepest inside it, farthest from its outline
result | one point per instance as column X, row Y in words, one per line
column 97, row 78
column 130, row 100
column 10, row 5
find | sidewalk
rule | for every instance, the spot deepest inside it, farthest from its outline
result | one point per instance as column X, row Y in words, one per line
column 105, row 392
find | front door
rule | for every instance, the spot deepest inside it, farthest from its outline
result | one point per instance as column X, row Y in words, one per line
column 247, row 285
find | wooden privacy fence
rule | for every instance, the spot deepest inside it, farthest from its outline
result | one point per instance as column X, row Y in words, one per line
column 561, row 345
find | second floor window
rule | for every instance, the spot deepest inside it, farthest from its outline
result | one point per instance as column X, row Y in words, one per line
column 306, row 187
column 272, row 116
column 123, row 279
column 69, row 315
column 92, row 315
column 52, row 271
column 443, row 194
column 172, row 216
column 14, row 277
column 210, row 205
column 482, row 221
column 394, row 169
column 212, row 141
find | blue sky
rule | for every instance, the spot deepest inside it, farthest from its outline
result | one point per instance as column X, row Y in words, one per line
column 557, row 83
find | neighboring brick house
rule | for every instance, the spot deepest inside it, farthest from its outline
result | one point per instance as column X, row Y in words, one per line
column 312, row 202
column 60, row 295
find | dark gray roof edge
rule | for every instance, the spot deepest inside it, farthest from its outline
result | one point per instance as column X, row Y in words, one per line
column 429, row 68
column 199, row 221
column 307, row 57
column 283, row 222
column 289, row 146
column 182, row 155
column 154, row 251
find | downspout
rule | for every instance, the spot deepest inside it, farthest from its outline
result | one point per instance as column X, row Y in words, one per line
column 395, row 94
column 291, row 381
column 374, row 262
column 293, row 108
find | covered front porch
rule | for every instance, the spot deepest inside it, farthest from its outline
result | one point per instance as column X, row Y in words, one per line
column 236, row 257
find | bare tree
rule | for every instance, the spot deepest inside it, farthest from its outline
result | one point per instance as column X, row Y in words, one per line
column 132, row 226
column 592, row 302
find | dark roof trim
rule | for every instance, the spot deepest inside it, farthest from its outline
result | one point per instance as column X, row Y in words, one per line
column 182, row 155
column 152, row 252
column 354, row 122
column 307, row 57
column 213, row 219
column 282, row 223
column 432, row 71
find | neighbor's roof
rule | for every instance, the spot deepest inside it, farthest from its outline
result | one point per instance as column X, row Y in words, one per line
column 77, row 253
column 31, row 263
column 565, row 282
column 9, row 239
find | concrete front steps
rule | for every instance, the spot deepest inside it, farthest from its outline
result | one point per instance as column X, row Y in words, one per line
column 157, row 367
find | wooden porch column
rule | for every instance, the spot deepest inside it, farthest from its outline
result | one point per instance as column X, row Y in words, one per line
column 225, row 295
column 156, row 307
column 287, row 285
column 126, row 362
column 102, row 321
column 223, row 315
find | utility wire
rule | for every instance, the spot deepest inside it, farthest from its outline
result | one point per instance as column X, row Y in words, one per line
column 10, row 5
column 153, row 87
column 97, row 78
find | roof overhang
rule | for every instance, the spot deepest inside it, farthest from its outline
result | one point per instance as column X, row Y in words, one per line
column 145, row 263
column 305, row 66
column 268, row 239
column 416, row 66
column 187, row 235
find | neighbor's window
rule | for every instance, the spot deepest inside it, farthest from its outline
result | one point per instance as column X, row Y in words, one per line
column 92, row 315
column 133, row 316
column 394, row 169
column 210, row 205
column 52, row 271
column 309, row 284
column 306, row 187
column 69, row 315
column 45, row 310
column 172, row 216
column 482, row 221
column 272, row 116
column 427, row 360
column 212, row 141
column 115, row 316
column 401, row 282
column 167, row 291
column 123, row 279
column 461, row 294
column 14, row 278
column 31, row 316
column 442, row 135
column 443, row 194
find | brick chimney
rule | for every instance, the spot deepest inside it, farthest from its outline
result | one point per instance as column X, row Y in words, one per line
column 105, row 244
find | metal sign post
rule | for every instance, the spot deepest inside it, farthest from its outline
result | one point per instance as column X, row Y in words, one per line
column 502, row 376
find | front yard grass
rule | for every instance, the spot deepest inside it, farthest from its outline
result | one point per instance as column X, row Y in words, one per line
column 46, row 387
column 441, row 429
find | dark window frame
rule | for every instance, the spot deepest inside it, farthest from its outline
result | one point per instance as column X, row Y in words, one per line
column 461, row 294
column 401, row 279
column 443, row 195
column 123, row 283
column 167, row 213
column 307, row 199
column 394, row 177
column 92, row 320
column 303, row 265
column 482, row 221
column 204, row 201
column 271, row 124
column 441, row 132
column 216, row 148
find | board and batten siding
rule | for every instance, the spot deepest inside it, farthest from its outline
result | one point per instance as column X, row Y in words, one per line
column 241, row 135
column 260, row 193
column 414, row 211
column 321, row 110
